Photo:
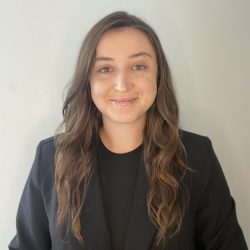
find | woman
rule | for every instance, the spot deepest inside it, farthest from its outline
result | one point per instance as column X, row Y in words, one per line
column 121, row 174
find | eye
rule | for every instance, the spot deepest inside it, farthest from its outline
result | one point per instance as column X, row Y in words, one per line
column 139, row 67
column 105, row 69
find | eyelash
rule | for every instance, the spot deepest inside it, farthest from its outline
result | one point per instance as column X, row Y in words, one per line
column 104, row 68
column 140, row 66
column 107, row 69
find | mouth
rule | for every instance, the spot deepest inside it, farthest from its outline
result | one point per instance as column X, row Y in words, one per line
column 123, row 101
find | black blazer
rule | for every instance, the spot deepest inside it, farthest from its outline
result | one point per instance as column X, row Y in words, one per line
column 210, row 221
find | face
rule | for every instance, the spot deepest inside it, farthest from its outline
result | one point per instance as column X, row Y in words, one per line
column 124, row 77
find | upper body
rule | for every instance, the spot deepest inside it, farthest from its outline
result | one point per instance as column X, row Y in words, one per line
column 210, row 221
column 122, row 95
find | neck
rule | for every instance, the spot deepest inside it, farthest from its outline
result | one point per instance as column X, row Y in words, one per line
column 122, row 138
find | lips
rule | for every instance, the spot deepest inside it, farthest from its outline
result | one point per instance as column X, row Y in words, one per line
column 123, row 101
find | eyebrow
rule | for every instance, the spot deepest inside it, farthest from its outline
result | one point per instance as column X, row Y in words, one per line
column 104, row 58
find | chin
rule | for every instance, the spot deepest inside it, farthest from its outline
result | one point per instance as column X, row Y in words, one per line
column 126, row 119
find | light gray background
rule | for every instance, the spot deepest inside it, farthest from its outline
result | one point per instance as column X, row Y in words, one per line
column 207, row 44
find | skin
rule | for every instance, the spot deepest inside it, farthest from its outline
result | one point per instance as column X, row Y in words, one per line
column 124, row 86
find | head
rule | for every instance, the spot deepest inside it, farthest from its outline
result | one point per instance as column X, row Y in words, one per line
column 116, row 24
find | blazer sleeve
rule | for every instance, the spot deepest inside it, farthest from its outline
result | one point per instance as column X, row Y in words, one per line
column 216, row 220
column 32, row 222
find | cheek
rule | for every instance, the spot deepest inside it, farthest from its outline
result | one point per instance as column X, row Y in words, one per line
column 149, row 87
column 98, row 89
column 149, row 90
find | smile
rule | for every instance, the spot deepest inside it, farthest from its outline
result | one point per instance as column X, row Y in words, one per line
column 123, row 101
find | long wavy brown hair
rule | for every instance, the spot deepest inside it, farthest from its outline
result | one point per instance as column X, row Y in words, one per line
column 76, row 148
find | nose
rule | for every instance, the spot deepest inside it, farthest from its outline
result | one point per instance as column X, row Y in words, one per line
column 122, row 82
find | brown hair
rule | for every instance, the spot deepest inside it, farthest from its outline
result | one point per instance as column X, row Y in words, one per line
column 164, row 154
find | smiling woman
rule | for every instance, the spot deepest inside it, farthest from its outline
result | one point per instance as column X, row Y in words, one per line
column 121, row 173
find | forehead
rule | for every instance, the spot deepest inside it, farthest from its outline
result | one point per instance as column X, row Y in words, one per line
column 124, row 41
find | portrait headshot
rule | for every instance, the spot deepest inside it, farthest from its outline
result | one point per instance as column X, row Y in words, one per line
column 125, row 125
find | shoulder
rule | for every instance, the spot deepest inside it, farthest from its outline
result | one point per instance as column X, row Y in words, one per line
column 193, row 141
column 199, row 150
column 46, row 149
column 43, row 167
column 207, row 173
column 48, row 145
column 202, row 160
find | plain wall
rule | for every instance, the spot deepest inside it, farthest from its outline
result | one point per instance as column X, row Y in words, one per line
column 207, row 44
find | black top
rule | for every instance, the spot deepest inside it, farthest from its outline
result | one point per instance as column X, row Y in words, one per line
column 118, row 173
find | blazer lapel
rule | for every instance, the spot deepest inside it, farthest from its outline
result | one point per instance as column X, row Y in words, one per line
column 93, row 218
column 140, row 230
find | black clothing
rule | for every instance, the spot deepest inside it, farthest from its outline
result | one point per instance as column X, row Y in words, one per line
column 118, row 173
column 210, row 222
